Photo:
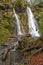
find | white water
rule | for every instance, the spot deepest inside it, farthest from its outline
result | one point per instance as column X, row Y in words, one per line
column 15, row 46
column 18, row 23
column 29, row 1
column 32, row 24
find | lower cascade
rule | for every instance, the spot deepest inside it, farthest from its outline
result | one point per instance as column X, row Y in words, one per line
column 18, row 23
column 32, row 24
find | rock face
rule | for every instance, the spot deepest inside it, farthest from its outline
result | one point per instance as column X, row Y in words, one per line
column 34, row 1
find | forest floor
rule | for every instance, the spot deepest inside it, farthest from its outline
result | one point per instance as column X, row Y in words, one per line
column 37, row 59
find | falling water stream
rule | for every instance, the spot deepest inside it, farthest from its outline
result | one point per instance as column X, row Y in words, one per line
column 32, row 24
column 18, row 23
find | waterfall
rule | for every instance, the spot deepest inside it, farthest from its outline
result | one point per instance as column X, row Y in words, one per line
column 28, row 1
column 32, row 24
column 18, row 23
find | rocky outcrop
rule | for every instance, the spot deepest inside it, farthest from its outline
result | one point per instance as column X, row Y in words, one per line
column 34, row 1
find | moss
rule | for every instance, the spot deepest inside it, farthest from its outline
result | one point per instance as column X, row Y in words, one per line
column 32, row 51
column 23, row 19
column 22, row 64
column 4, row 33
column 21, row 3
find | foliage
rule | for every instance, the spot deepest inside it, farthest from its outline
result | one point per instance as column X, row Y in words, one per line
column 5, row 26
column 20, row 3
column 4, row 33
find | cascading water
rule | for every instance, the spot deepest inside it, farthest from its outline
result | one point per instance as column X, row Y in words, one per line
column 33, row 28
column 18, row 23
column 28, row 1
